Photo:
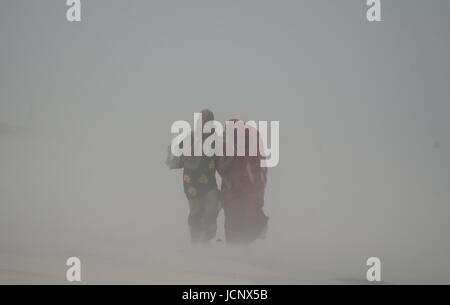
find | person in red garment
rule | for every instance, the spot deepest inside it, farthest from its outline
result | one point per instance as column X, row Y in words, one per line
column 243, row 186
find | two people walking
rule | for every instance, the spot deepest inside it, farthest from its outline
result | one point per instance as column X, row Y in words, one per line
column 241, row 194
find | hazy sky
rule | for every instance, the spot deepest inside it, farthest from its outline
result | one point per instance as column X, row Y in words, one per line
column 364, row 111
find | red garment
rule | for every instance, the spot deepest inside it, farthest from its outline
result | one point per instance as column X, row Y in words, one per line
column 243, row 185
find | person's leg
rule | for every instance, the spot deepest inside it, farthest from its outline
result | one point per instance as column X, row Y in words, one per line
column 245, row 221
column 234, row 221
column 211, row 211
column 195, row 219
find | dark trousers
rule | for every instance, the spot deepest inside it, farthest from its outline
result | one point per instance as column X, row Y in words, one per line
column 203, row 212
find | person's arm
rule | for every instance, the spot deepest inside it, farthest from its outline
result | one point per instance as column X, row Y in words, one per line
column 173, row 162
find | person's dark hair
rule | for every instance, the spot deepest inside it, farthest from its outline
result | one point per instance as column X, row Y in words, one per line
column 207, row 115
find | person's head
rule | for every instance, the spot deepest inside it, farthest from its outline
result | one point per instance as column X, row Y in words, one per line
column 207, row 116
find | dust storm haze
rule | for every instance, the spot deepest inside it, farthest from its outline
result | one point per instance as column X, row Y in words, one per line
column 85, row 116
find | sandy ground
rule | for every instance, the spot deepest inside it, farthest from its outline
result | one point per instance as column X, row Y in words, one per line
column 213, row 265
column 112, row 259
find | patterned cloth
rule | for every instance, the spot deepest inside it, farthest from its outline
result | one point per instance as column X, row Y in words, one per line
column 201, row 179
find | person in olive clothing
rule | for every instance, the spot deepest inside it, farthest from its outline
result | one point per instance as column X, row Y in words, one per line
column 200, row 187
